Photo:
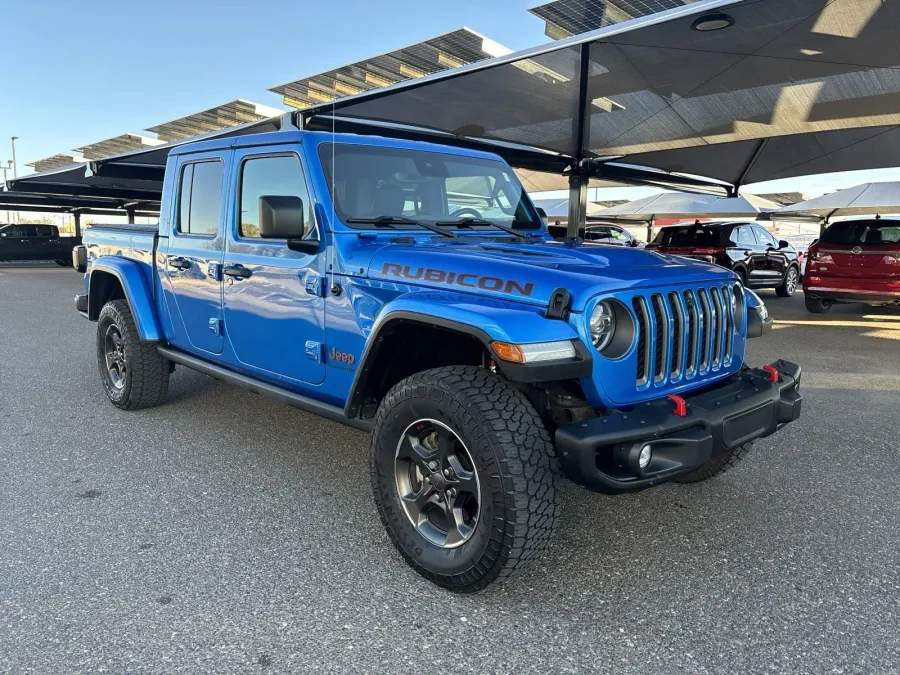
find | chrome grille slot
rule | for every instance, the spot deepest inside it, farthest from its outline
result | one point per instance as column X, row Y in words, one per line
column 727, row 292
column 718, row 351
column 642, row 328
column 693, row 321
column 677, row 335
column 707, row 321
column 660, row 337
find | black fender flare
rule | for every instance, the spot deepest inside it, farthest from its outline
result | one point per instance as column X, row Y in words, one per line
column 581, row 366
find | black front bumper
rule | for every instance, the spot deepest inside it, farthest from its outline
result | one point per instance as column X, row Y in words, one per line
column 602, row 453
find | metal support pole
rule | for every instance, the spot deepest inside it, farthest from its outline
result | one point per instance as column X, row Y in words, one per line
column 130, row 212
column 649, row 230
column 76, row 216
column 580, row 178
column 14, row 168
column 578, row 187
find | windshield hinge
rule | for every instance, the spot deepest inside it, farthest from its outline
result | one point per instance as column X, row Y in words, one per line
column 559, row 305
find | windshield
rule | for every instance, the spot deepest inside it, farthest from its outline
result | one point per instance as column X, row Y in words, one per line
column 690, row 235
column 368, row 182
column 857, row 232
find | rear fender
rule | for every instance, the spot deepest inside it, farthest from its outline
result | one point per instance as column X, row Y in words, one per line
column 485, row 319
column 107, row 272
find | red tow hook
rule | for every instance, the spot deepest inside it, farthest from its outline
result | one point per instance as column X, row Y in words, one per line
column 773, row 374
column 680, row 405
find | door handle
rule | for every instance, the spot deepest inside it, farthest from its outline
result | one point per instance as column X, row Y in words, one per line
column 238, row 271
column 179, row 263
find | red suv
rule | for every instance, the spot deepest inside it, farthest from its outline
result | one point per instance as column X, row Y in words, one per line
column 854, row 261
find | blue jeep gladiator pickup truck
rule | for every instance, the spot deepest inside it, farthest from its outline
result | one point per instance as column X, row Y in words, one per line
column 411, row 290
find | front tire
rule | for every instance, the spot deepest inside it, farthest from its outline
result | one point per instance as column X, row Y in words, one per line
column 133, row 374
column 817, row 305
column 789, row 285
column 717, row 465
column 464, row 476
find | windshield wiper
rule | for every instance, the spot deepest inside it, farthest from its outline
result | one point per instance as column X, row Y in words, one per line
column 468, row 222
column 390, row 221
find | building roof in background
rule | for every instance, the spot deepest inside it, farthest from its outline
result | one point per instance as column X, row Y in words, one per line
column 222, row 116
column 450, row 50
column 564, row 18
column 55, row 161
column 117, row 145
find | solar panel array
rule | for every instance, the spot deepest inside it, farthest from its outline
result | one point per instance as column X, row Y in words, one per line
column 54, row 162
column 570, row 17
column 443, row 52
column 115, row 145
column 229, row 114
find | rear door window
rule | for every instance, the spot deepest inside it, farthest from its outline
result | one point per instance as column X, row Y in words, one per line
column 689, row 236
column 744, row 236
column 200, row 196
column 765, row 239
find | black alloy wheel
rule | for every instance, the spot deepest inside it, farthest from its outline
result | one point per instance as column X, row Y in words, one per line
column 116, row 365
column 438, row 483
column 791, row 280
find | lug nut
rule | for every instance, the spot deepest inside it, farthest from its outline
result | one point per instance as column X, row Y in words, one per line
column 448, row 472
column 451, row 492
column 427, row 480
column 432, row 466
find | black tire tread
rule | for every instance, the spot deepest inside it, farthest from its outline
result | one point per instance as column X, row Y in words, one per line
column 529, row 468
column 148, row 372
column 717, row 465
column 781, row 291
column 816, row 305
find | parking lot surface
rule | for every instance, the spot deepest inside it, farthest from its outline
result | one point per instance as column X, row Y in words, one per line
column 225, row 533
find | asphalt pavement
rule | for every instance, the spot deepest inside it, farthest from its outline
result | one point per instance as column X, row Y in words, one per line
column 224, row 533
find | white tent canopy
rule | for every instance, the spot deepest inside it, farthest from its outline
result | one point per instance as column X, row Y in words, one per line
column 668, row 205
column 860, row 200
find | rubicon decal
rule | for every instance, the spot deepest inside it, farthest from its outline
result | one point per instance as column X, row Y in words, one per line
column 464, row 279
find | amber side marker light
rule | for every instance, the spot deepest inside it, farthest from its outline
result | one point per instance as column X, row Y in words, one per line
column 534, row 352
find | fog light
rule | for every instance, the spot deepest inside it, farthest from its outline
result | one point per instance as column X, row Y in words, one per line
column 645, row 456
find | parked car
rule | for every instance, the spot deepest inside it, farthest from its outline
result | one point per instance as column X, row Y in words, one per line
column 600, row 233
column 36, row 242
column 758, row 259
column 854, row 261
column 332, row 272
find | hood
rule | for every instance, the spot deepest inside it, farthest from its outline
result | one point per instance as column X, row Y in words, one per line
column 531, row 271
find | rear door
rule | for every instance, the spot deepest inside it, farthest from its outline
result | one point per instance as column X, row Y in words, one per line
column 196, row 247
column 754, row 255
column 274, row 297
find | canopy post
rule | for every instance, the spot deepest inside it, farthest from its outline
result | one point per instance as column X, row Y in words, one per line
column 580, row 178
column 76, row 216
column 578, row 188
column 650, row 230
column 130, row 211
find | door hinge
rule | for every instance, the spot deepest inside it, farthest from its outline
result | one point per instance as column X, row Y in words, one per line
column 314, row 351
column 215, row 326
column 314, row 285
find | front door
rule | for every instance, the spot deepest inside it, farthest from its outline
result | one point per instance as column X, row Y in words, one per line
column 194, row 255
column 776, row 257
column 274, row 297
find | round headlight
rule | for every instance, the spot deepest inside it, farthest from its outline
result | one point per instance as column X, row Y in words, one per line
column 603, row 325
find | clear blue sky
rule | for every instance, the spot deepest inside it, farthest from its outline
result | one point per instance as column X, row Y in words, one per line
column 75, row 72
column 78, row 71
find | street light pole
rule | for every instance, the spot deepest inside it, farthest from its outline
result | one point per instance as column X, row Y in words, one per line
column 14, row 168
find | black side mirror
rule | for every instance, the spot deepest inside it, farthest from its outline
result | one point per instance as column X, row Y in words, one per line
column 541, row 212
column 281, row 217
column 784, row 244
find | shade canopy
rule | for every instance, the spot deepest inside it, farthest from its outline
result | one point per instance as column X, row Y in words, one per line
column 785, row 88
column 860, row 200
column 673, row 205
column 559, row 208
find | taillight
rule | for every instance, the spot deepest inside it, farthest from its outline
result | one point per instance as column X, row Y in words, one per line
column 821, row 257
column 652, row 245
column 709, row 251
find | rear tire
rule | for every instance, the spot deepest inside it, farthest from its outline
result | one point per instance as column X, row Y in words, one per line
column 742, row 275
column 501, row 464
column 790, row 283
column 717, row 465
column 133, row 374
column 817, row 305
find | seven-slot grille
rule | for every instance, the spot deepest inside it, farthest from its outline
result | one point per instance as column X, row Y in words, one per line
column 681, row 335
